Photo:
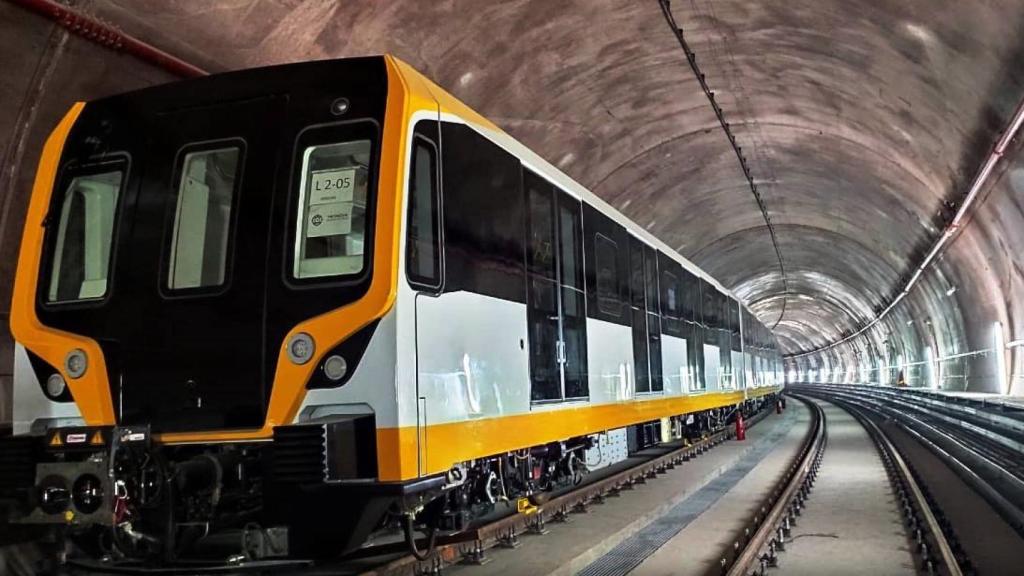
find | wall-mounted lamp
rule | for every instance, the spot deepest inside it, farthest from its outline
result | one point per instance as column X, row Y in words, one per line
column 999, row 348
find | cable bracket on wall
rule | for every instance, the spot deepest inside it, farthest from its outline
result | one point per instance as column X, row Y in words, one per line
column 691, row 58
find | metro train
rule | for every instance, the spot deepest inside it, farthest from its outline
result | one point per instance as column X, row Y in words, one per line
column 312, row 306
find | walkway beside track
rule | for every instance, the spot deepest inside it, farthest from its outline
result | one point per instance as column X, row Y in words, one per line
column 566, row 550
column 851, row 524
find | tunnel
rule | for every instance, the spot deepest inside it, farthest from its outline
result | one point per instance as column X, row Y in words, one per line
column 851, row 172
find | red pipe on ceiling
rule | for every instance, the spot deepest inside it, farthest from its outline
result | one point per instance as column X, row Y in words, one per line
column 107, row 35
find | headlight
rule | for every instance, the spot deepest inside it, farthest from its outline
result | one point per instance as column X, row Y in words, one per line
column 55, row 386
column 76, row 362
column 53, row 495
column 87, row 493
column 335, row 367
column 301, row 348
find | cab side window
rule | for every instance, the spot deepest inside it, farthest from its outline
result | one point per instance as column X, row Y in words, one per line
column 423, row 225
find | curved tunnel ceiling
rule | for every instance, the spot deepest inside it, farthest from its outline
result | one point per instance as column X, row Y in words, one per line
column 859, row 119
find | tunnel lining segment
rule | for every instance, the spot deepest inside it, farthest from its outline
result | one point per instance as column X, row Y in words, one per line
column 948, row 234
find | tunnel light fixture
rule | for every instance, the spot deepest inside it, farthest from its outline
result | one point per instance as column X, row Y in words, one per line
column 951, row 291
column 1015, row 344
column 929, row 355
column 999, row 353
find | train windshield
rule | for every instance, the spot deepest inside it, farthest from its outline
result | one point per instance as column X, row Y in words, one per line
column 331, row 228
column 81, row 257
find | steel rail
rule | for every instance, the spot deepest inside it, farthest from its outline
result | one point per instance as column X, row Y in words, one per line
column 915, row 502
column 910, row 486
column 786, row 500
column 968, row 469
column 504, row 531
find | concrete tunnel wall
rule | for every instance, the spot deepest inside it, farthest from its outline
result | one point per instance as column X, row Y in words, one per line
column 863, row 123
column 954, row 311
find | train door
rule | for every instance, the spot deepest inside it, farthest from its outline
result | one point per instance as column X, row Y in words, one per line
column 424, row 264
column 645, row 317
column 556, row 305
column 197, row 250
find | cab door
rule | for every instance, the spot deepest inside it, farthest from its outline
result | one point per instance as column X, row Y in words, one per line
column 196, row 270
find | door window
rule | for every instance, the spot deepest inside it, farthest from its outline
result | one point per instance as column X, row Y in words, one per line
column 202, row 218
column 573, row 299
column 81, row 258
column 646, row 316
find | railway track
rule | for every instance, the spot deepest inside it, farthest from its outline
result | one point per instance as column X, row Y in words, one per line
column 770, row 530
column 982, row 443
column 470, row 547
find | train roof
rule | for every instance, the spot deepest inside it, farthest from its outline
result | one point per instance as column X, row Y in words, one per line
column 455, row 107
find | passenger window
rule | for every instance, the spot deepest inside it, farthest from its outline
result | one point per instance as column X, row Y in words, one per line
column 81, row 259
column 331, row 222
column 606, row 254
column 202, row 218
column 484, row 216
column 423, row 260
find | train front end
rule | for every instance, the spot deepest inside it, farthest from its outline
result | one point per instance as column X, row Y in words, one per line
column 198, row 259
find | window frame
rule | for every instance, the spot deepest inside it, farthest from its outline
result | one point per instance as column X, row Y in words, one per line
column 415, row 281
column 170, row 215
column 325, row 134
column 98, row 165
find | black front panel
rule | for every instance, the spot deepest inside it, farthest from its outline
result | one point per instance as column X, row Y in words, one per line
column 191, row 356
column 200, row 293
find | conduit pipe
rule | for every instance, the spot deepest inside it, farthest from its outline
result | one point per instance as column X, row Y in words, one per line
column 107, row 35
column 976, row 186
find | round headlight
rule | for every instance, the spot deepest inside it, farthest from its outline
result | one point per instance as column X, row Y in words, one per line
column 55, row 386
column 301, row 348
column 335, row 367
column 75, row 363
column 87, row 493
column 53, row 495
